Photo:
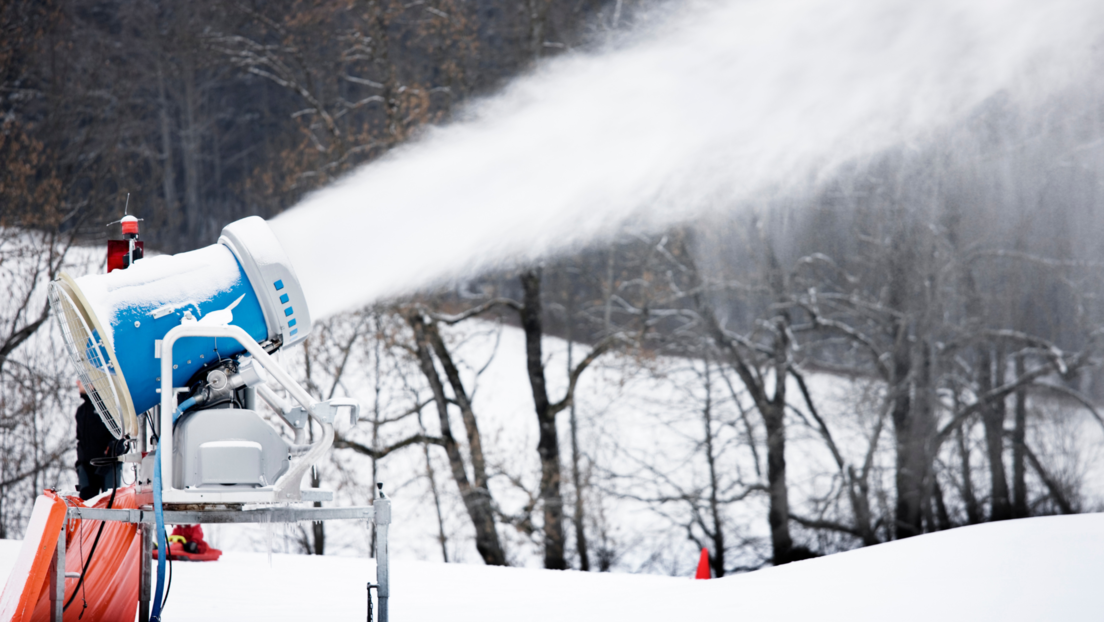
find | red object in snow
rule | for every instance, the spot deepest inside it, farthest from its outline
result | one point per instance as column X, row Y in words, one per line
column 703, row 566
column 178, row 554
column 190, row 533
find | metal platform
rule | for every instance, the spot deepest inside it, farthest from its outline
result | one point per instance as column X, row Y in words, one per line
column 378, row 513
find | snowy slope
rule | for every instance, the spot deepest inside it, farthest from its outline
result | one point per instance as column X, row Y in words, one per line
column 1034, row 569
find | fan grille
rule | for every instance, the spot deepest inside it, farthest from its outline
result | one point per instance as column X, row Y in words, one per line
column 91, row 356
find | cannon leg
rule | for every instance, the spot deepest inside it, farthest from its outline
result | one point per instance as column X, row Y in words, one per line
column 57, row 579
column 145, row 570
column 383, row 581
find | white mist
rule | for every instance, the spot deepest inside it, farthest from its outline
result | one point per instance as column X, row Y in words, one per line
column 726, row 102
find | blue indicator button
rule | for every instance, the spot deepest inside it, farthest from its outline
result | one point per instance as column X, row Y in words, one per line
column 291, row 322
column 288, row 311
column 284, row 298
column 293, row 331
column 279, row 285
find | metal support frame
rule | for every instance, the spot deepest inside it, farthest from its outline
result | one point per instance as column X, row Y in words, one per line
column 57, row 578
column 379, row 513
column 145, row 572
column 287, row 488
column 284, row 489
column 383, row 580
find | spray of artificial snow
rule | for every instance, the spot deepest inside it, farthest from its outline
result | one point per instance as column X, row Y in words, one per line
column 728, row 100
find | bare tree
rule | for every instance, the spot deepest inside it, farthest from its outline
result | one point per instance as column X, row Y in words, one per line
column 37, row 390
column 548, row 447
column 430, row 349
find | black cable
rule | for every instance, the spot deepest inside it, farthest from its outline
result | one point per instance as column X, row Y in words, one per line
column 92, row 553
column 152, row 428
column 83, row 589
column 168, row 588
column 226, row 400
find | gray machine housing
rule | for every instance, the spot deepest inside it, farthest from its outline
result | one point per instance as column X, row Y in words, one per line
column 227, row 447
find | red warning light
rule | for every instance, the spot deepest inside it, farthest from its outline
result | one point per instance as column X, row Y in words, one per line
column 130, row 225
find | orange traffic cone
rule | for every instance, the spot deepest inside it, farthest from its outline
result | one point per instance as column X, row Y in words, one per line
column 703, row 566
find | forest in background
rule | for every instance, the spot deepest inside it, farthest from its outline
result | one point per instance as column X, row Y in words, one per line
column 961, row 276
column 212, row 111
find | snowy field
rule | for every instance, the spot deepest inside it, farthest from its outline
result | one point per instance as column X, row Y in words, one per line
column 1035, row 569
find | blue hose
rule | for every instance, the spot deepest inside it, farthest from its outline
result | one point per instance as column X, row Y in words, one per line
column 159, row 515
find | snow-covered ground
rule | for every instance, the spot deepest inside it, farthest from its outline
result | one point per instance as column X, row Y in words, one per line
column 1035, row 569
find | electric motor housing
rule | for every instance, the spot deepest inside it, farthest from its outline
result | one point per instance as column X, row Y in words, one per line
column 227, row 447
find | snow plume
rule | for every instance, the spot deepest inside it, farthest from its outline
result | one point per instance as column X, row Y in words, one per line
column 723, row 103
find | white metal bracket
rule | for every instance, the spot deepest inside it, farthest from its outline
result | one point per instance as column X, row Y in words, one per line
column 287, row 487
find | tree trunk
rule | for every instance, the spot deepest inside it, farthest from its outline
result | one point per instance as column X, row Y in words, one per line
column 717, row 559
column 860, row 505
column 377, row 390
column 477, row 501
column 441, row 538
column 168, row 169
column 576, row 481
column 467, row 414
column 772, row 408
column 914, row 427
column 973, row 513
column 190, row 146
column 538, row 20
column 779, row 513
column 909, row 391
column 992, row 417
column 909, row 464
column 1019, row 440
column 548, row 445
column 773, row 411
column 942, row 516
column 381, row 48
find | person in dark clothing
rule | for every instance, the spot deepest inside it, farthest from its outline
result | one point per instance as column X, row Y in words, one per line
column 94, row 440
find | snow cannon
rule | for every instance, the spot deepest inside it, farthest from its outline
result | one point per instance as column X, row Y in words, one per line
column 199, row 327
column 114, row 324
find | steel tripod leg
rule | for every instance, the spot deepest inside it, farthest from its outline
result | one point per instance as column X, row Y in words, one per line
column 145, row 572
column 383, row 579
column 57, row 578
